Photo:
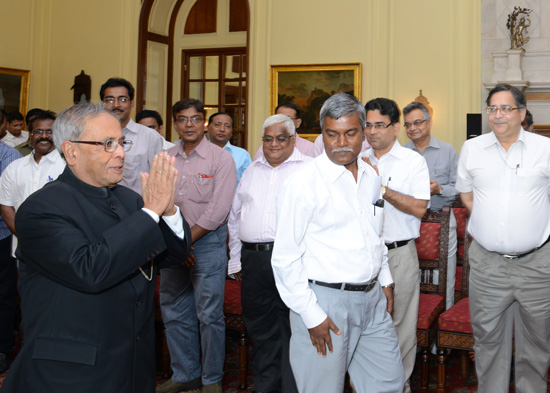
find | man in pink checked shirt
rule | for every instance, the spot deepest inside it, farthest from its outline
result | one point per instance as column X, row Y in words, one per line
column 251, row 233
column 205, row 189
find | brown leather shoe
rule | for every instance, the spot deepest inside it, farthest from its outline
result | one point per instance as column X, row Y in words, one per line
column 213, row 388
column 172, row 386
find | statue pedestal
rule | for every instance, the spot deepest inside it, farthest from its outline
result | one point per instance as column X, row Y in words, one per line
column 514, row 72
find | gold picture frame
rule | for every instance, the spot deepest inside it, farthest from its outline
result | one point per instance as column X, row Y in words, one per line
column 309, row 85
column 14, row 89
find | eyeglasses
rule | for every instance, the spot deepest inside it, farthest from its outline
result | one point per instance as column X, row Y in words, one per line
column 110, row 145
column 112, row 100
column 194, row 119
column 42, row 132
column 378, row 126
column 280, row 139
column 415, row 123
column 504, row 109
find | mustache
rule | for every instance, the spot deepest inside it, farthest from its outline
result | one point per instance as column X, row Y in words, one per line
column 116, row 110
column 45, row 140
column 343, row 150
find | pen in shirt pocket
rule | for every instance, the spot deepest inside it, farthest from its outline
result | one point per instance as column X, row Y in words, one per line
column 203, row 176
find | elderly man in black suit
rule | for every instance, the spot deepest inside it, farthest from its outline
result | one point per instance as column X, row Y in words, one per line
column 89, row 251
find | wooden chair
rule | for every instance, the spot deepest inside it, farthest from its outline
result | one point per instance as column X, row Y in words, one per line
column 432, row 248
column 461, row 216
column 455, row 328
column 234, row 321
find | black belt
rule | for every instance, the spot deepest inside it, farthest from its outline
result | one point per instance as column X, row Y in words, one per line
column 347, row 287
column 258, row 246
column 393, row 245
column 511, row 257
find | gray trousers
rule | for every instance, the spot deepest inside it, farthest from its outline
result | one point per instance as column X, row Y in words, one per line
column 403, row 263
column 505, row 294
column 367, row 347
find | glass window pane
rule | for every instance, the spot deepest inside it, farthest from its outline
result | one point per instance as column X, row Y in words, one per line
column 195, row 67
column 231, row 93
column 210, row 110
column 212, row 67
column 233, row 67
column 234, row 114
column 195, row 90
column 211, row 91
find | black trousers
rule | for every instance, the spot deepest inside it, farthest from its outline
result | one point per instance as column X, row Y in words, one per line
column 266, row 319
column 8, row 285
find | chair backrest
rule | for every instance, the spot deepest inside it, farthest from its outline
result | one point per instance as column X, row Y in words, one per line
column 461, row 215
column 432, row 248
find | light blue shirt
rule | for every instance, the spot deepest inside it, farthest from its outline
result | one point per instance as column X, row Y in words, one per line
column 7, row 155
column 241, row 158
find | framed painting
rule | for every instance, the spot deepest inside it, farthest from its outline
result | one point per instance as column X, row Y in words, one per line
column 14, row 89
column 308, row 86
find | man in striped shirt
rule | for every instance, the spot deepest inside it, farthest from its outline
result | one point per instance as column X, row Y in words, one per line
column 252, row 225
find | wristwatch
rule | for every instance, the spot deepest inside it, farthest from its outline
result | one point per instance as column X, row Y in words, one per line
column 392, row 286
column 440, row 191
column 383, row 191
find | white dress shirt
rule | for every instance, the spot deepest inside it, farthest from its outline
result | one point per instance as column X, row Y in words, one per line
column 404, row 171
column 326, row 231
column 253, row 214
column 511, row 205
column 13, row 141
column 24, row 176
column 146, row 144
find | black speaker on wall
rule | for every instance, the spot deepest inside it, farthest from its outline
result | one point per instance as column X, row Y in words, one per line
column 473, row 125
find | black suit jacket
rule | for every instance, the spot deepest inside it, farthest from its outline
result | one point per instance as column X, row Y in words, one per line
column 87, row 310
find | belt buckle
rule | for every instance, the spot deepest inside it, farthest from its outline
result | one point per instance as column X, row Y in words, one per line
column 370, row 286
column 510, row 257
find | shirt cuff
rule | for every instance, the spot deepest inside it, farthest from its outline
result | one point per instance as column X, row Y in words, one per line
column 175, row 222
column 314, row 317
column 152, row 214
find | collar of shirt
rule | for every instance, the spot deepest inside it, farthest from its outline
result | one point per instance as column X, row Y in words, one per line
column 228, row 146
column 132, row 126
column 492, row 139
column 295, row 156
column 333, row 171
column 201, row 148
column 396, row 151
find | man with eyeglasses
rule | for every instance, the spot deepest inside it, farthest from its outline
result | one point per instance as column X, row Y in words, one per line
column 330, row 264
column 89, row 252
column 118, row 96
column 291, row 110
column 442, row 161
column 205, row 189
column 252, row 225
column 406, row 192
column 30, row 173
column 503, row 179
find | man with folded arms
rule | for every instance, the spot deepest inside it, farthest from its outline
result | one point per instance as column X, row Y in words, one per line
column 330, row 264
column 503, row 179
column 251, row 235
column 406, row 192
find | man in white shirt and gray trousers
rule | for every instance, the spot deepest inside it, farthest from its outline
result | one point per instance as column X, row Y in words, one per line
column 330, row 264
column 503, row 179
column 406, row 192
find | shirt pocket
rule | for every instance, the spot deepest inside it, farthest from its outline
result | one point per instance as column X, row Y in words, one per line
column 201, row 189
